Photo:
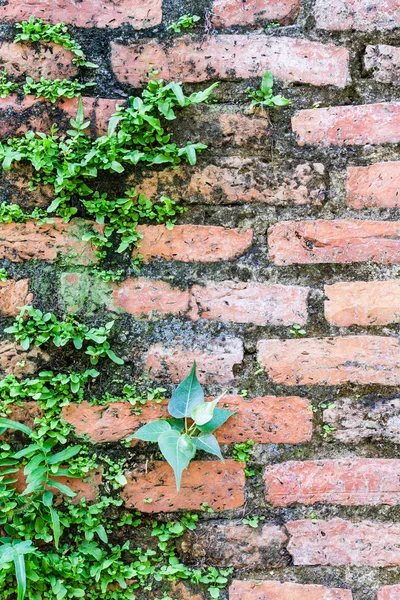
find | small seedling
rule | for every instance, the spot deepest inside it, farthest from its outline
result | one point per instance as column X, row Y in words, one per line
column 3, row 275
column 264, row 96
column 253, row 521
column 327, row 430
column 297, row 330
column 6, row 86
column 190, row 427
column 242, row 452
column 184, row 22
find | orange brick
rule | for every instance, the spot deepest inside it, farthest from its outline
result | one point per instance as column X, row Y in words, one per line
column 336, row 241
column 233, row 56
column 50, row 61
column 363, row 359
column 347, row 15
column 377, row 185
column 274, row 590
column 384, row 62
column 348, row 482
column 14, row 361
column 226, row 13
column 219, row 484
column 192, row 243
column 348, row 125
column 143, row 296
column 215, row 363
column 363, row 303
column 389, row 592
column 14, row 295
column 88, row 488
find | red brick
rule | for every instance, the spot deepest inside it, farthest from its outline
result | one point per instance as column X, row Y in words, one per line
column 50, row 61
column 14, row 295
column 274, row 590
column 234, row 545
column 24, row 241
column 233, row 56
column 26, row 412
column 14, row 361
column 252, row 302
column 384, row 62
column 88, row 488
column 111, row 422
column 91, row 13
column 338, row 542
column 267, row 420
column 342, row 15
column 219, row 484
column 226, row 13
column 336, row 241
column 353, row 421
column 348, row 125
column 348, row 482
column 143, row 296
column 192, row 243
column 389, row 592
column 237, row 180
column 362, row 359
column 215, row 363
column 14, row 186
column 377, row 185
column 363, row 303
column 21, row 115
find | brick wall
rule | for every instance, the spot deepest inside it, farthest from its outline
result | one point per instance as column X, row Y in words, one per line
column 293, row 218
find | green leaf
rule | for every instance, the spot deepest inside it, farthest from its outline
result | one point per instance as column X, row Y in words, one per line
column 151, row 431
column 15, row 425
column 20, row 574
column 177, row 89
column 55, row 520
column 203, row 413
column 267, row 82
column 220, row 417
column 112, row 356
column 208, row 443
column 178, row 450
column 187, row 396
column 176, row 424
column 61, row 487
column 64, row 455
column 47, row 498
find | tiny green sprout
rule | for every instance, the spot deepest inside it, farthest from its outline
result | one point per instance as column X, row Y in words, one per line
column 264, row 96
column 184, row 22
column 244, row 393
column 3, row 275
column 297, row 330
column 313, row 517
column 272, row 25
column 147, row 500
column 206, row 508
column 190, row 427
column 259, row 369
column 327, row 430
column 242, row 452
column 6, row 86
column 253, row 521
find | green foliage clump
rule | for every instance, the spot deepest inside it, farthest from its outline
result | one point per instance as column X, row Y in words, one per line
column 3, row 275
column 37, row 30
column 108, row 275
column 6, row 86
column 55, row 89
column 265, row 95
column 184, row 22
column 190, row 428
column 41, row 328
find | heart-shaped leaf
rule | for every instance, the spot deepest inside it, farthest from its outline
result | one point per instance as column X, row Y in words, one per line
column 151, row 431
column 187, row 396
column 208, row 443
column 221, row 415
column 178, row 450
column 203, row 413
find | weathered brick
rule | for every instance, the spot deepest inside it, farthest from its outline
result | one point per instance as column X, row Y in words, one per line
column 235, row 545
column 88, row 488
column 226, row 13
column 24, row 241
column 110, row 422
column 233, row 56
column 192, row 243
column 348, row 125
column 91, row 13
column 14, row 295
column 372, row 419
column 219, row 484
column 13, row 360
column 361, row 15
column 349, row 482
column 274, row 590
column 338, row 542
column 363, row 303
column 143, row 296
column 50, row 61
column 389, row 592
column 336, row 241
column 252, row 302
column 26, row 412
column 265, row 420
column 377, row 185
column 215, row 362
column 30, row 113
column 363, row 359
column 384, row 62
column 14, row 186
